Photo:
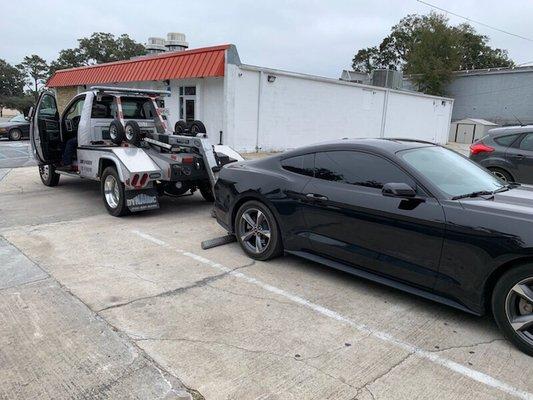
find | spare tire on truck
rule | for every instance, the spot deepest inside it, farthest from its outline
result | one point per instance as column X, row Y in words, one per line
column 180, row 128
column 132, row 131
column 116, row 131
column 197, row 127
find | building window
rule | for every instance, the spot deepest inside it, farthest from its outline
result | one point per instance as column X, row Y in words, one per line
column 187, row 102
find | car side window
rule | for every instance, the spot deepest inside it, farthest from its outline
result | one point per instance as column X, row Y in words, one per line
column 358, row 168
column 506, row 140
column 527, row 142
column 302, row 165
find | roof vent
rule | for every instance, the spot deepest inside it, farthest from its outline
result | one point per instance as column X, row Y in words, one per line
column 155, row 45
column 176, row 42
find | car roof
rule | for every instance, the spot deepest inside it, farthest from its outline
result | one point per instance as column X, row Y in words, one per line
column 511, row 129
column 377, row 145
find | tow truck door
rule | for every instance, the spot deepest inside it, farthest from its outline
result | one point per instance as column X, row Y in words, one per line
column 45, row 133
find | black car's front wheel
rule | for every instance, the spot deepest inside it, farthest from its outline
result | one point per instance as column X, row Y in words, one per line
column 512, row 306
column 257, row 231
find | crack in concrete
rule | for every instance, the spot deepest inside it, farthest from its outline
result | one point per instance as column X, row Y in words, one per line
column 172, row 292
column 25, row 283
column 254, row 351
column 382, row 375
column 468, row 346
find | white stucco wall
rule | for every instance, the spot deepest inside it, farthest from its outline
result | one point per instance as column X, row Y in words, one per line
column 296, row 110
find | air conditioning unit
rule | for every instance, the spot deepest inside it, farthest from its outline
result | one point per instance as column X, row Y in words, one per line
column 388, row 78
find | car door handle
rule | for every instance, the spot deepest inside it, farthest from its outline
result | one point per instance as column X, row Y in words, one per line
column 314, row 196
column 519, row 156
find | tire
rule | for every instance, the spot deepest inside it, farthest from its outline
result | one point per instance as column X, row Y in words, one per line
column 15, row 134
column 180, row 128
column 132, row 133
column 114, row 196
column 196, row 128
column 48, row 174
column 508, row 305
column 116, row 131
column 268, row 249
column 501, row 174
column 206, row 191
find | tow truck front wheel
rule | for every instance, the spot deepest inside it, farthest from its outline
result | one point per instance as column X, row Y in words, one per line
column 48, row 175
column 113, row 193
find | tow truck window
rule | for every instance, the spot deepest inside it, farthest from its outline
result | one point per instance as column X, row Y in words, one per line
column 137, row 108
column 103, row 108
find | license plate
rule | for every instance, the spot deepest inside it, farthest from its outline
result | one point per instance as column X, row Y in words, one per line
column 140, row 200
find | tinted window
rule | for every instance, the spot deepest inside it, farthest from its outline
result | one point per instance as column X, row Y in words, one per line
column 527, row 142
column 506, row 140
column 301, row 165
column 47, row 107
column 357, row 168
column 103, row 108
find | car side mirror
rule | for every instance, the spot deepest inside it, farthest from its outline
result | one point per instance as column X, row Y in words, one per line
column 399, row 190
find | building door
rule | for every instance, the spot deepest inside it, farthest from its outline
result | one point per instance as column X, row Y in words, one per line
column 188, row 103
column 465, row 133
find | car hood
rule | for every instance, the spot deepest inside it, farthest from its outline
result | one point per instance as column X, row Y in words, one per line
column 11, row 124
column 517, row 202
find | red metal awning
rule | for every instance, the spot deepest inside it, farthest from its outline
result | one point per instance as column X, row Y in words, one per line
column 197, row 63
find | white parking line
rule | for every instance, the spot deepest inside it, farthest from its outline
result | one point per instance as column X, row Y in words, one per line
column 435, row 358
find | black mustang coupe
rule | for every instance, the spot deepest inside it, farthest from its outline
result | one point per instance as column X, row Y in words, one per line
column 409, row 214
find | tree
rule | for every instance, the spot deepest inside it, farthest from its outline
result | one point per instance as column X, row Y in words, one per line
column 99, row 48
column 12, row 82
column 104, row 47
column 68, row 58
column 427, row 46
column 36, row 70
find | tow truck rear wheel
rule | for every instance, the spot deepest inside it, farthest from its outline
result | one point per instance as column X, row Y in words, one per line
column 113, row 193
column 206, row 191
column 48, row 175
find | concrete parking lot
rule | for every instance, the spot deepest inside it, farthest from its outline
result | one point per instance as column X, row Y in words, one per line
column 15, row 154
column 93, row 306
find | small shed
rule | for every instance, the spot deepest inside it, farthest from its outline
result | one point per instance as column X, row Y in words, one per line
column 469, row 130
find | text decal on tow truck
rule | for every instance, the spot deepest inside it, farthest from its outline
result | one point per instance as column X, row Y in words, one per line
column 140, row 200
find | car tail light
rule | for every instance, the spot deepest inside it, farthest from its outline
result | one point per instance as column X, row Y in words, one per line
column 477, row 148
column 134, row 180
column 143, row 180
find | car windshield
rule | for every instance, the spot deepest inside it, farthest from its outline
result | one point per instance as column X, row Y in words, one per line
column 453, row 174
column 18, row 118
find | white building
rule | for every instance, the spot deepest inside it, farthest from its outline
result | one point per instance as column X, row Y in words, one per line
column 254, row 108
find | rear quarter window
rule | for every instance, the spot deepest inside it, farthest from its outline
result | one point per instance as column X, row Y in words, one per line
column 302, row 165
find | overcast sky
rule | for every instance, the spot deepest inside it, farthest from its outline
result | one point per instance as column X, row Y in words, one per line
column 318, row 37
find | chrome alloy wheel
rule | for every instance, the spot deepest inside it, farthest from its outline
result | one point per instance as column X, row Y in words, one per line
column 111, row 191
column 113, row 132
column 519, row 309
column 254, row 230
column 45, row 172
column 129, row 133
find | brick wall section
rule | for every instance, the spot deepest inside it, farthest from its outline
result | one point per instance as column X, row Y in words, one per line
column 64, row 95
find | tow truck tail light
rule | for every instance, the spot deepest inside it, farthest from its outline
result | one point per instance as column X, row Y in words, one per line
column 134, row 180
column 187, row 160
column 144, row 179
column 480, row 147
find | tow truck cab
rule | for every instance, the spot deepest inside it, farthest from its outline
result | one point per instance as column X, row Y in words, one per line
column 147, row 161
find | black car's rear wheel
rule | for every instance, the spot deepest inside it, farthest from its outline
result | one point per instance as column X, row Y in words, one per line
column 512, row 305
column 257, row 231
column 15, row 134
column 501, row 174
